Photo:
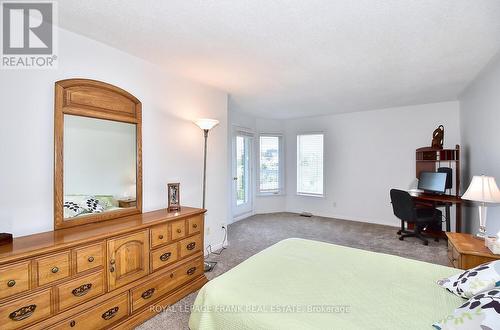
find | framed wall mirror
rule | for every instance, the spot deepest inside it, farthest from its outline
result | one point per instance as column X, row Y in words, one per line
column 98, row 164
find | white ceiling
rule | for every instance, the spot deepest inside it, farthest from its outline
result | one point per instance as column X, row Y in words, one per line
column 293, row 58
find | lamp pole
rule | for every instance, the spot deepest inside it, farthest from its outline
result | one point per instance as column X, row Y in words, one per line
column 206, row 125
column 205, row 133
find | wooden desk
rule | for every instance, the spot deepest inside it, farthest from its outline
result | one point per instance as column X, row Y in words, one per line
column 447, row 201
column 465, row 251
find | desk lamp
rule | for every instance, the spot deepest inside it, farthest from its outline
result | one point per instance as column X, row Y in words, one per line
column 482, row 189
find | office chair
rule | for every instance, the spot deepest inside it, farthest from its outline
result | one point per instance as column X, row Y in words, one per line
column 405, row 209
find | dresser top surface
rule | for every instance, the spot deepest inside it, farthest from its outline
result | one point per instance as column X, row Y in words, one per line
column 46, row 242
column 468, row 244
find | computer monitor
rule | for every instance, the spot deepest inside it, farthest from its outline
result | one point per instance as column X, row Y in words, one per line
column 432, row 182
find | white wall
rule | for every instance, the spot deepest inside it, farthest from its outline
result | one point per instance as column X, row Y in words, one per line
column 480, row 130
column 172, row 144
column 367, row 154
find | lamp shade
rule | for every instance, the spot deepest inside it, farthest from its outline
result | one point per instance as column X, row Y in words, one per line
column 483, row 189
column 205, row 123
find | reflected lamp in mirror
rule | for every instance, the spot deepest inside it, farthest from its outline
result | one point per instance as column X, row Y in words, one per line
column 482, row 189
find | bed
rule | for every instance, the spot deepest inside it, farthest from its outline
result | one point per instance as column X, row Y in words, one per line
column 76, row 205
column 304, row 284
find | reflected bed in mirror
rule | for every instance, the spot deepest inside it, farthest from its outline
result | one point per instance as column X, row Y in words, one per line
column 98, row 173
column 99, row 165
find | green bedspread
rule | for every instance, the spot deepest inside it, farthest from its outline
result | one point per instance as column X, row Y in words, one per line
column 303, row 284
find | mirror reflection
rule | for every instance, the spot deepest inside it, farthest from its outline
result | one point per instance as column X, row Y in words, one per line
column 99, row 166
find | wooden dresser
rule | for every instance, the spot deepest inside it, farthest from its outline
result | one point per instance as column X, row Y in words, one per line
column 114, row 274
column 465, row 251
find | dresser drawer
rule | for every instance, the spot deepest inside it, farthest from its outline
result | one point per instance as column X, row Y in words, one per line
column 188, row 271
column 89, row 257
column 190, row 245
column 99, row 317
column 52, row 268
column 80, row 290
column 14, row 279
column 150, row 291
column 164, row 256
column 195, row 224
column 21, row 312
column 159, row 235
column 178, row 229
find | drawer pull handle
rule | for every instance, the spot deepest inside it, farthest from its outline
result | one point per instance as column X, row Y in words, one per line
column 148, row 293
column 72, row 323
column 160, row 237
column 91, row 259
column 109, row 314
column 11, row 283
column 191, row 271
column 55, row 270
column 112, row 269
column 195, row 225
column 82, row 290
column 165, row 256
column 191, row 245
column 22, row 313
column 179, row 230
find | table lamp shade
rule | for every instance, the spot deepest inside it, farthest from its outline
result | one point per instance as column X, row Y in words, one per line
column 206, row 124
column 483, row 189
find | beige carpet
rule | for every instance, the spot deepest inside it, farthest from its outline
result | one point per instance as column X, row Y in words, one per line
column 254, row 234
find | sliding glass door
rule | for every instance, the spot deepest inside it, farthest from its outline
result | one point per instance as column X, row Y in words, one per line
column 242, row 174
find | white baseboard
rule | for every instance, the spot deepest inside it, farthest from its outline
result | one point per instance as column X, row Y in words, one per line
column 242, row 216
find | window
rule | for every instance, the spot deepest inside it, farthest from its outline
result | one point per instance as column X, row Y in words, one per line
column 270, row 167
column 310, row 164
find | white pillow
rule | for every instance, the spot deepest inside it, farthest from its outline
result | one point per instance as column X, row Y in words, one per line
column 93, row 205
column 72, row 209
column 473, row 281
column 481, row 312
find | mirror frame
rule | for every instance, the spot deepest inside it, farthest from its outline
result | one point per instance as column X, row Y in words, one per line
column 93, row 99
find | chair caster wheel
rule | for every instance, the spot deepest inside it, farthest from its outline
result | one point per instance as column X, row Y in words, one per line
column 399, row 232
column 401, row 238
column 436, row 240
column 426, row 243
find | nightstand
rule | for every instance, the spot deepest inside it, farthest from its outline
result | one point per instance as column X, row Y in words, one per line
column 124, row 203
column 465, row 251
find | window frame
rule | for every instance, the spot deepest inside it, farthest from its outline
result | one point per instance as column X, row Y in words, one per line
column 306, row 194
column 281, row 166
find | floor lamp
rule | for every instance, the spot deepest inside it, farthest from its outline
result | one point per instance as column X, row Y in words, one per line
column 206, row 125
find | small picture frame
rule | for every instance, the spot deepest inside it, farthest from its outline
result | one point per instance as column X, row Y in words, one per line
column 174, row 200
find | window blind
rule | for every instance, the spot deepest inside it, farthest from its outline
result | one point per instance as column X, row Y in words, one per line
column 310, row 164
